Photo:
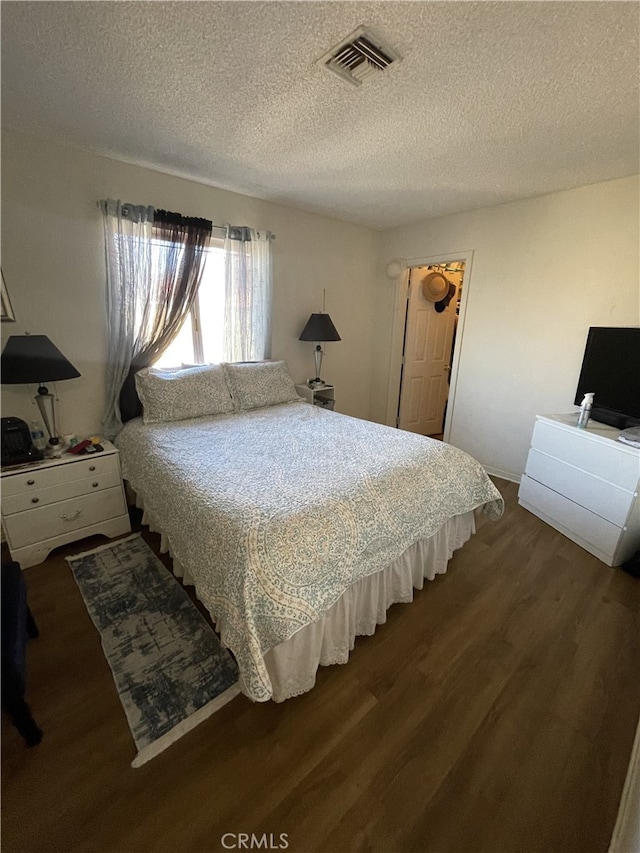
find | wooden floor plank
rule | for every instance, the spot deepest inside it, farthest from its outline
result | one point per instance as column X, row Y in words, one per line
column 496, row 713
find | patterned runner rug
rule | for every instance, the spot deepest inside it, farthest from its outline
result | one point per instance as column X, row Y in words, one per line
column 168, row 665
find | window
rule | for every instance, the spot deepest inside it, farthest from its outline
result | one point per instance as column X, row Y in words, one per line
column 200, row 340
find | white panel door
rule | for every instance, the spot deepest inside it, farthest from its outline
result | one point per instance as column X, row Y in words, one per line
column 427, row 362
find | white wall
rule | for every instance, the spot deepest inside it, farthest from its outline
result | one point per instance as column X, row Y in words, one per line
column 53, row 263
column 543, row 271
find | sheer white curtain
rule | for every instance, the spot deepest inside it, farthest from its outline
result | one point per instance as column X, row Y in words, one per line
column 127, row 232
column 248, row 289
column 155, row 260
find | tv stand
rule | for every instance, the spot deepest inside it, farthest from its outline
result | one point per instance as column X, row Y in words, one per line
column 584, row 483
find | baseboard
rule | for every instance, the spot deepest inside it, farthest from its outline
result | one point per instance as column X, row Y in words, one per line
column 504, row 475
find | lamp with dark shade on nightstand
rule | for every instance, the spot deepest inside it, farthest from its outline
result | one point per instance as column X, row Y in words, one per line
column 34, row 359
column 319, row 328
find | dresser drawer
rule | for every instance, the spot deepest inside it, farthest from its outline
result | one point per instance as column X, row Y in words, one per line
column 599, row 496
column 604, row 460
column 26, row 528
column 561, row 511
column 30, row 481
column 52, row 494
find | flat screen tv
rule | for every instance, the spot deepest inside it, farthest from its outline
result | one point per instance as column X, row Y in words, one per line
column 611, row 369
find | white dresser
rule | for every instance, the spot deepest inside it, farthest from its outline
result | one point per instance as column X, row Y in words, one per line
column 585, row 484
column 50, row 503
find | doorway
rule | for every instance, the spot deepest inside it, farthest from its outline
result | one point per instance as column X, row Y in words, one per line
column 428, row 344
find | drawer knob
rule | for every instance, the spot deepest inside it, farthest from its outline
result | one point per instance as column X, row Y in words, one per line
column 30, row 482
column 35, row 500
column 71, row 516
column 95, row 485
column 92, row 467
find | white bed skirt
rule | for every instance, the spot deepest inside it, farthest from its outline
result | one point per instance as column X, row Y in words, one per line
column 292, row 665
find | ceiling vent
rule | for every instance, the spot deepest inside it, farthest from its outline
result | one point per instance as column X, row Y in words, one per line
column 360, row 56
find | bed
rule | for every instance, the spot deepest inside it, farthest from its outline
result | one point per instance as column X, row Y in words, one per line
column 297, row 526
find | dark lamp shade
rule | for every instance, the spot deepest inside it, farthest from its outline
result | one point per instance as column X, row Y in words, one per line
column 319, row 328
column 33, row 359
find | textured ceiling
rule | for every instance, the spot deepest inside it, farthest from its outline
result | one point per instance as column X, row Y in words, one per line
column 492, row 101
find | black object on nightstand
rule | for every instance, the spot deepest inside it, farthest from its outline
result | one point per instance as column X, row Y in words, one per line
column 17, row 447
column 17, row 625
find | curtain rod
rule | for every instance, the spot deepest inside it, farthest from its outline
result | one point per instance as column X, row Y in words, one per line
column 224, row 228
column 219, row 227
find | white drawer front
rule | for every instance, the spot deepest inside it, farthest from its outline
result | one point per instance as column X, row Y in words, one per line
column 604, row 459
column 52, row 494
column 29, row 481
column 26, row 528
column 600, row 533
column 594, row 494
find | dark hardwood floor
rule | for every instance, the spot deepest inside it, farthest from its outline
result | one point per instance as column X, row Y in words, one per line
column 496, row 713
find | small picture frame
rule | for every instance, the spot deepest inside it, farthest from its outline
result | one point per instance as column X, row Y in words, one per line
column 7, row 308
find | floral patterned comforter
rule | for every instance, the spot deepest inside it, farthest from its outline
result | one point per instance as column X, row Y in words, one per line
column 275, row 512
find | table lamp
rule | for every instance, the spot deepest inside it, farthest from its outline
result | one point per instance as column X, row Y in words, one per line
column 319, row 328
column 30, row 359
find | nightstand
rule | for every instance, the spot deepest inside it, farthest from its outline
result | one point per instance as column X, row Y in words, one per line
column 322, row 396
column 55, row 501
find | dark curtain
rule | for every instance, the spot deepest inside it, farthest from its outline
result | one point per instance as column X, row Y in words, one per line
column 184, row 241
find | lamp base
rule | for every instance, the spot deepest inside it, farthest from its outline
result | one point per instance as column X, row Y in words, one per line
column 316, row 383
column 54, row 449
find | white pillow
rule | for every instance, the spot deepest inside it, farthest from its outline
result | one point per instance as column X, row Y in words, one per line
column 175, row 395
column 263, row 383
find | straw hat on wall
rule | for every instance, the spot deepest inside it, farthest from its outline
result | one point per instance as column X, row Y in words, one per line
column 434, row 287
